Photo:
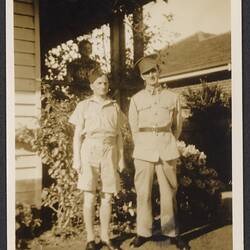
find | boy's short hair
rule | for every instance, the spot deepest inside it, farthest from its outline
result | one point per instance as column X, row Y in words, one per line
column 94, row 74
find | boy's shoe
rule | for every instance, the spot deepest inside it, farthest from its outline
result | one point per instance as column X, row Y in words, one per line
column 91, row 245
column 138, row 241
column 109, row 245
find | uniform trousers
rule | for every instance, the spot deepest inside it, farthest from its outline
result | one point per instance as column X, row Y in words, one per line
column 166, row 176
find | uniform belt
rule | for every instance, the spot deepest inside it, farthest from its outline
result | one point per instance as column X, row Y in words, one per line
column 155, row 129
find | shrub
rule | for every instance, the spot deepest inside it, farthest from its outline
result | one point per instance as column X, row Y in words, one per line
column 210, row 127
column 53, row 139
column 28, row 224
column 198, row 194
column 53, row 142
column 199, row 189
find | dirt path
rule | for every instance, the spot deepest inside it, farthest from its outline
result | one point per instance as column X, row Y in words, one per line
column 217, row 239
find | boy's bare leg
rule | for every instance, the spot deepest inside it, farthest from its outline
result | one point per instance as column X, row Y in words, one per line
column 105, row 216
column 88, row 213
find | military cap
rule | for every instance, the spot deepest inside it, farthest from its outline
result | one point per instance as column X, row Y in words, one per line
column 94, row 74
column 146, row 63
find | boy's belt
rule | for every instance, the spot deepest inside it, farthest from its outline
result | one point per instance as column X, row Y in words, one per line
column 155, row 129
column 109, row 140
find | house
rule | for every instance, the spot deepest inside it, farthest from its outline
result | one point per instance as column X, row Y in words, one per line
column 203, row 58
column 199, row 58
column 40, row 26
column 27, row 95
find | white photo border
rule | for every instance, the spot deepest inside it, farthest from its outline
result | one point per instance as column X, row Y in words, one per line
column 237, row 124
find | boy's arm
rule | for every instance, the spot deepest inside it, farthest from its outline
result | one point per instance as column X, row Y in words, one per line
column 122, row 121
column 77, row 141
column 77, row 118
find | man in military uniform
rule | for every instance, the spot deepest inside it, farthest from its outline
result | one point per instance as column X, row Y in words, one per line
column 156, row 123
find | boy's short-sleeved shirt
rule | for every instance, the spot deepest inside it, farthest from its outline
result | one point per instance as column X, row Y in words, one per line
column 102, row 145
column 98, row 119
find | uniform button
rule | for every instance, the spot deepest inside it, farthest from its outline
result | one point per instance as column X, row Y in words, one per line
column 156, row 113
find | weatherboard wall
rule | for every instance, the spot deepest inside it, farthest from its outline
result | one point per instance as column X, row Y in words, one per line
column 27, row 96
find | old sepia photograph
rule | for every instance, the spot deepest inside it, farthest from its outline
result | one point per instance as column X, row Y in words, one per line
column 123, row 125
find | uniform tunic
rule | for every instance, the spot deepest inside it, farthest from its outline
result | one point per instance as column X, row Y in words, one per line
column 160, row 109
column 102, row 146
column 155, row 152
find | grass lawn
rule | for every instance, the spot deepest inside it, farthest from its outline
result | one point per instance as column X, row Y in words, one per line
column 199, row 239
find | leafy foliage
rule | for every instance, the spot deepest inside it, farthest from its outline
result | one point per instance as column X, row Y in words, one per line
column 124, row 203
column 198, row 193
column 208, row 98
column 199, row 187
column 28, row 224
column 210, row 124
column 55, row 148
column 53, row 142
column 53, row 139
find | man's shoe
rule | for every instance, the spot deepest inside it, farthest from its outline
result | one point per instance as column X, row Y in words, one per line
column 109, row 245
column 160, row 237
column 138, row 241
column 180, row 243
column 91, row 245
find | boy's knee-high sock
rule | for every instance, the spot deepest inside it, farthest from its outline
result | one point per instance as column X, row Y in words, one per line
column 105, row 216
column 88, row 213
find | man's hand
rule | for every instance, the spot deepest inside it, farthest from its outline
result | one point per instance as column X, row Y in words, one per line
column 79, row 170
column 121, row 165
column 123, row 170
column 120, row 170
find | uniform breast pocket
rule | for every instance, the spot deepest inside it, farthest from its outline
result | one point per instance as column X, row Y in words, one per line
column 166, row 113
column 144, row 114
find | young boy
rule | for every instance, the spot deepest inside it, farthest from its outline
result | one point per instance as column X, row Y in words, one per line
column 98, row 151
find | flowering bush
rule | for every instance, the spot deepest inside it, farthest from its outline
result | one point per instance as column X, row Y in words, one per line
column 58, row 58
column 199, row 186
column 53, row 139
column 67, row 70
column 198, row 194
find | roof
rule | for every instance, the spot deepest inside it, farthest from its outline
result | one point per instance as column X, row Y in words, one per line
column 197, row 52
column 62, row 20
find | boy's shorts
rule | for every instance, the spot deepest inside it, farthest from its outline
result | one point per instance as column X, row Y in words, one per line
column 99, row 160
